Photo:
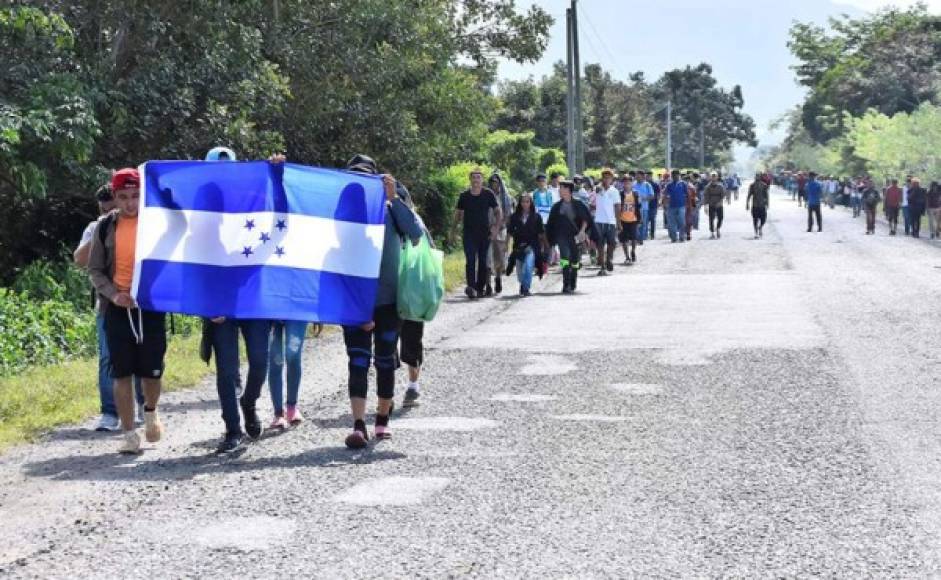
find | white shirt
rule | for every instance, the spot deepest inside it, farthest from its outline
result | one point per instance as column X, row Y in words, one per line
column 87, row 234
column 555, row 194
column 605, row 202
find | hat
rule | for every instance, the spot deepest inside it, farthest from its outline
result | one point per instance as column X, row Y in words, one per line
column 362, row 164
column 568, row 184
column 607, row 171
column 220, row 154
column 125, row 179
column 477, row 171
column 540, row 176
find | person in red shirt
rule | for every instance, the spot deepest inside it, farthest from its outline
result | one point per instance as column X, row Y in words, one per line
column 893, row 201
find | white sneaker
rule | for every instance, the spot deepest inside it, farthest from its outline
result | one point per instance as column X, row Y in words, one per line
column 139, row 415
column 131, row 443
column 153, row 428
column 108, row 423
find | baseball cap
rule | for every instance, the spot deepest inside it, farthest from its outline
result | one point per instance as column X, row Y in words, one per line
column 220, row 154
column 124, row 179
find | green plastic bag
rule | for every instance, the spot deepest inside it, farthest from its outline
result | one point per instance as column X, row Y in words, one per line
column 421, row 281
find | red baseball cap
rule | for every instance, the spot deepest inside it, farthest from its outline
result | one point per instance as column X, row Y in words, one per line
column 124, row 179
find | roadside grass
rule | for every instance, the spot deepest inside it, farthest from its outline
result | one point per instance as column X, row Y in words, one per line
column 42, row 398
column 453, row 271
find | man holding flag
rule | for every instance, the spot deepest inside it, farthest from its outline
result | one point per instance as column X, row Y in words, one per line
column 136, row 337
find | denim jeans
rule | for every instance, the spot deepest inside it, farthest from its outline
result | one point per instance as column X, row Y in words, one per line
column 644, row 218
column 676, row 221
column 652, row 223
column 225, row 345
column 287, row 345
column 475, row 254
column 524, row 269
column 907, row 216
column 105, row 382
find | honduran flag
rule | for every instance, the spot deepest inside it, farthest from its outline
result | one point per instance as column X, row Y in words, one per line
column 258, row 240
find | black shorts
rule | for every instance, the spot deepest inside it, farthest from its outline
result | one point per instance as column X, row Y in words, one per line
column 128, row 358
column 411, row 350
column 628, row 232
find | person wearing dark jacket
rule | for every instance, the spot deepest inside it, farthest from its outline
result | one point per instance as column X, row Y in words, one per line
column 383, row 330
column 568, row 222
column 714, row 194
column 934, row 210
column 870, row 201
column 529, row 241
column 917, row 202
column 758, row 200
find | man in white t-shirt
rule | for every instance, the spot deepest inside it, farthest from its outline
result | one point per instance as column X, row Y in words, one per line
column 607, row 208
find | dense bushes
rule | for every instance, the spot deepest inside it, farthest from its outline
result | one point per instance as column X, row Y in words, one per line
column 46, row 316
column 41, row 332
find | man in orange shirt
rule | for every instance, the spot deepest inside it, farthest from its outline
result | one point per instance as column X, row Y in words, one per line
column 137, row 340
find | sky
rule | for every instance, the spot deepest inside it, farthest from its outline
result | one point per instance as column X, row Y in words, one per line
column 745, row 41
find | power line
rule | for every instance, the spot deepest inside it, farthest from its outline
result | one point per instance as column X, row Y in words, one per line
column 614, row 60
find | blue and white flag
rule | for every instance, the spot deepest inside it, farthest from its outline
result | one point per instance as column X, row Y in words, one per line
column 258, row 240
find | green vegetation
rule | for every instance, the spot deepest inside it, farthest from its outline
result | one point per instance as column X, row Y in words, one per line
column 625, row 123
column 868, row 110
column 44, row 397
column 93, row 85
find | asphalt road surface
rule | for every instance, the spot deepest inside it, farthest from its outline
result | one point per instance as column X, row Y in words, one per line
column 739, row 407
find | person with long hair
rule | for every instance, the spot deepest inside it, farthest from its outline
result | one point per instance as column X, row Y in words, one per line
column 529, row 241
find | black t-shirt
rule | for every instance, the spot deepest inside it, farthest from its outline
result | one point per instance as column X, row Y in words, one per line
column 477, row 212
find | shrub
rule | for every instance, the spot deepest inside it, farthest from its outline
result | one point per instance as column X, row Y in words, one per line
column 560, row 168
column 550, row 158
column 60, row 281
column 35, row 333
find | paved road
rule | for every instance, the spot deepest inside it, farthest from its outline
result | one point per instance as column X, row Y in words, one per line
column 724, row 408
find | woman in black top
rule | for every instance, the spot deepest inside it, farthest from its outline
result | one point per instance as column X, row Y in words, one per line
column 529, row 241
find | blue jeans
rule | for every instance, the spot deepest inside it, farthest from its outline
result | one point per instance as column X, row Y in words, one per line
column 524, row 269
column 225, row 345
column 907, row 216
column 652, row 223
column 105, row 382
column 644, row 217
column 287, row 345
column 676, row 221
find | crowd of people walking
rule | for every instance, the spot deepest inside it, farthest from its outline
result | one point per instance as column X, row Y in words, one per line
column 909, row 201
column 572, row 224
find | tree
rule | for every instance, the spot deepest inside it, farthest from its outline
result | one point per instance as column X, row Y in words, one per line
column 708, row 119
column 889, row 62
column 95, row 84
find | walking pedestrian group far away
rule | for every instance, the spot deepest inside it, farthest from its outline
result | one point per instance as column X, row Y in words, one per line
column 560, row 223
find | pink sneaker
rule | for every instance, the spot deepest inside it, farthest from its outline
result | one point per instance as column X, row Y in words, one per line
column 292, row 415
column 278, row 423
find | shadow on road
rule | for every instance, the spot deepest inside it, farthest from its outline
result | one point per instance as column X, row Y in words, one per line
column 114, row 467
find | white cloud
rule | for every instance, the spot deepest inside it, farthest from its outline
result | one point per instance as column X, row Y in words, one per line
column 873, row 5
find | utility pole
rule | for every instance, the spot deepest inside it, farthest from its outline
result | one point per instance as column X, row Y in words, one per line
column 669, row 135
column 577, row 74
column 571, row 152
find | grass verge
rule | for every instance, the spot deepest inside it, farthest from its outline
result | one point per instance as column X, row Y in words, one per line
column 453, row 271
column 42, row 398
